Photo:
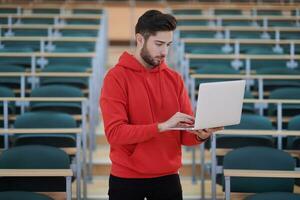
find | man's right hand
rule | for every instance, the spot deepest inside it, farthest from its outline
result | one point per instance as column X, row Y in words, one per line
column 177, row 120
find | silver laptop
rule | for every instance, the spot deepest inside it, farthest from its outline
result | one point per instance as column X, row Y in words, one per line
column 219, row 104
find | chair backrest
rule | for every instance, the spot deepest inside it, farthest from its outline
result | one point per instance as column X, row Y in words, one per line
column 217, row 70
column 11, row 68
column 11, row 82
column 214, row 70
column 17, row 195
column 274, row 196
column 248, row 107
column 187, row 12
column 34, row 157
column 294, row 124
column 228, row 12
column 253, row 121
column 6, row 92
column 277, row 71
column 285, row 93
column 80, row 82
column 259, row 158
column 57, row 91
column 45, row 120
column 249, row 122
column 270, row 85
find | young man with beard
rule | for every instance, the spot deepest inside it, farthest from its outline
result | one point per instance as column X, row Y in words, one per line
column 140, row 100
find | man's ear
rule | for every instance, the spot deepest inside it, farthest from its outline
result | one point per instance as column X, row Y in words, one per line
column 139, row 39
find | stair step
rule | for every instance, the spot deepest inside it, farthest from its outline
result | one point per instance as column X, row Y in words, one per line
column 103, row 169
column 102, row 163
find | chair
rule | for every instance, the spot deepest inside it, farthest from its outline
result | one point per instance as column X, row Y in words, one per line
column 237, row 23
column 248, row 122
column 45, row 10
column 78, row 33
column 284, row 23
column 214, row 70
column 83, row 21
column 294, row 12
column 11, row 82
column 35, row 120
column 31, row 32
column 270, row 85
column 274, row 196
column 293, row 142
column 204, row 48
column 76, row 81
column 294, row 124
column 192, row 22
column 285, row 93
column 197, row 64
column 17, row 195
column 89, row 11
column 227, row 12
column 217, row 70
column 74, row 46
column 6, row 92
column 258, row 49
column 248, row 107
column 57, row 91
column 260, row 64
column 197, row 34
column 290, row 35
column 269, row 12
column 34, row 157
column 8, row 11
column 85, row 63
column 259, row 158
column 187, row 12
column 20, row 46
column 245, row 35
column 49, row 21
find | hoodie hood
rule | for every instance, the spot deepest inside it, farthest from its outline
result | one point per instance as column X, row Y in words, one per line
column 128, row 61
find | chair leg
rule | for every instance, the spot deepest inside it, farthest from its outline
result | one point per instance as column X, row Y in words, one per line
column 227, row 187
column 69, row 187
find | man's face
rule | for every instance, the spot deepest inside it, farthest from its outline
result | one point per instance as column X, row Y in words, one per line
column 155, row 48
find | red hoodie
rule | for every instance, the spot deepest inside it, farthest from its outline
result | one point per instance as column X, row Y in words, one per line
column 133, row 101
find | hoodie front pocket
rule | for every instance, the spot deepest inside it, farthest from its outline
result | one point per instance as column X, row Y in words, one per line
column 157, row 156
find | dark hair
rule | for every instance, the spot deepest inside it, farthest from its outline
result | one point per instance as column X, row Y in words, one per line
column 153, row 21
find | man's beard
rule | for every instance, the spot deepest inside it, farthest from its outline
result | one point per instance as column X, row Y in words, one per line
column 148, row 58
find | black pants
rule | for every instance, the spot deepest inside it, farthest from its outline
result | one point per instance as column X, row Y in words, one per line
column 161, row 188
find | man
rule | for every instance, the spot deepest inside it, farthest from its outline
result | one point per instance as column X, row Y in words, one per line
column 140, row 100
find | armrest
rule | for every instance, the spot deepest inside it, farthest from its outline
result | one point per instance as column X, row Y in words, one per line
column 261, row 173
column 35, row 172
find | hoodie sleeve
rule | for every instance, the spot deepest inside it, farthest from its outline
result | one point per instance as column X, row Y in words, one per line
column 187, row 138
column 113, row 103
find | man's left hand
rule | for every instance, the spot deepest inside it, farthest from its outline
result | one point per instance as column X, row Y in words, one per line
column 203, row 134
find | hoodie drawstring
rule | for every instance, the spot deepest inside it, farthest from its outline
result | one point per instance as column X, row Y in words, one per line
column 148, row 93
column 161, row 90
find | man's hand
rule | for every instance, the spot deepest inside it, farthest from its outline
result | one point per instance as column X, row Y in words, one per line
column 177, row 120
column 206, row 133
